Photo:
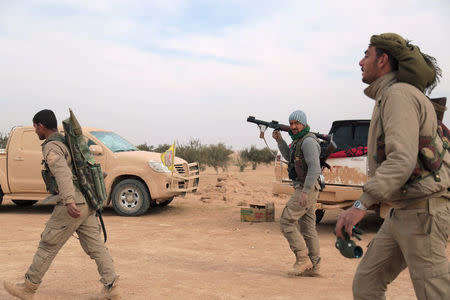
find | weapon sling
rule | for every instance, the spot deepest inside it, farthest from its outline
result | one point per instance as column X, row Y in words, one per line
column 100, row 218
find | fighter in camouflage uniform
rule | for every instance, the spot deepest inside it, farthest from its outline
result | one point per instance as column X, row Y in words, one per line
column 409, row 169
column 71, row 214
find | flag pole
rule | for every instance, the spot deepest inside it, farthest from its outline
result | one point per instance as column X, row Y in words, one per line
column 173, row 162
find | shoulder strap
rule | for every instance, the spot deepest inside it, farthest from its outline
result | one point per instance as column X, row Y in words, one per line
column 57, row 137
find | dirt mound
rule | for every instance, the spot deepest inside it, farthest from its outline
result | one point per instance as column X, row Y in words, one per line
column 232, row 190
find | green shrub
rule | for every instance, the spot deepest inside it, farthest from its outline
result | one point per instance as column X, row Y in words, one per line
column 145, row 147
column 160, row 149
column 258, row 156
column 3, row 140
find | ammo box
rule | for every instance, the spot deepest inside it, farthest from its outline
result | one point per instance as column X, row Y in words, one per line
column 258, row 213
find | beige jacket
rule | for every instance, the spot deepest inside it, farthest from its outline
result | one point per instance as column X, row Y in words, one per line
column 59, row 161
column 406, row 114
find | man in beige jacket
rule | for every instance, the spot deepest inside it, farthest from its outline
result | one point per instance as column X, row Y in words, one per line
column 71, row 214
column 409, row 169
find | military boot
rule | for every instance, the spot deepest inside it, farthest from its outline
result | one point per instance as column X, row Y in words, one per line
column 23, row 290
column 108, row 292
column 314, row 271
column 302, row 263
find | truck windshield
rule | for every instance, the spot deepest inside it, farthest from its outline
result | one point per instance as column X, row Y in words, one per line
column 348, row 135
column 113, row 141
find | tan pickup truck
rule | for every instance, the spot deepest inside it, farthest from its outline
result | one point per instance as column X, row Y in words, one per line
column 136, row 179
column 348, row 173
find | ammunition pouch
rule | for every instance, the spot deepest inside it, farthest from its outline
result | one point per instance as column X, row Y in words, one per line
column 296, row 171
column 291, row 172
column 299, row 169
column 49, row 180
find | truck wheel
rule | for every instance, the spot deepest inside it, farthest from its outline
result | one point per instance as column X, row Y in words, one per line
column 165, row 203
column 319, row 215
column 130, row 197
column 24, row 202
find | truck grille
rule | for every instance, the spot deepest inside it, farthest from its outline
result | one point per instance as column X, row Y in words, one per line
column 180, row 168
column 186, row 178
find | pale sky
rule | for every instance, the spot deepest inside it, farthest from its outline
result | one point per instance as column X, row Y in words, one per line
column 162, row 70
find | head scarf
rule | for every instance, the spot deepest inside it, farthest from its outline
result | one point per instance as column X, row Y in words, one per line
column 414, row 67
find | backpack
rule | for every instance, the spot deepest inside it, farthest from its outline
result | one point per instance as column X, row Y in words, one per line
column 89, row 176
column 89, row 173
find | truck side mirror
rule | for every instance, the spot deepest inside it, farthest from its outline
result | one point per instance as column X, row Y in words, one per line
column 96, row 149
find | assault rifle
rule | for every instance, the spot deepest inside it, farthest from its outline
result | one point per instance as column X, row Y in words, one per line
column 327, row 145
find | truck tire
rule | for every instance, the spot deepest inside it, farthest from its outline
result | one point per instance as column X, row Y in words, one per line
column 24, row 202
column 319, row 215
column 130, row 197
column 1, row 196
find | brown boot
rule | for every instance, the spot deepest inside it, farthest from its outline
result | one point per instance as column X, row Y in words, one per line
column 23, row 290
column 108, row 292
column 302, row 263
column 314, row 271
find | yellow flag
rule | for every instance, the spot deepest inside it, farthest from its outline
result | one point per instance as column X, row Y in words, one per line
column 168, row 157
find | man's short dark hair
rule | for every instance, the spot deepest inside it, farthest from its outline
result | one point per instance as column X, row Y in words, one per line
column 47, row 118
column 392, row 61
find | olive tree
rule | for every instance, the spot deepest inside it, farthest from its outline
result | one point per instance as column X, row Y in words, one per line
column 242, row 161
column 217, row 156
column 258, row 156
column 192, row 151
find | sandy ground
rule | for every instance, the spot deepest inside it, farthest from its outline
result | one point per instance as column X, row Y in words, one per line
column 196, row 248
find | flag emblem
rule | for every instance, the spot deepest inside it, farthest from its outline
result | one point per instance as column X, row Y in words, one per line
column 168, row 157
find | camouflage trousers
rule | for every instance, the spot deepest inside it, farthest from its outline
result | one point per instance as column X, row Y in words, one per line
column 298, row 224
column 416, row 239
column 58, row 230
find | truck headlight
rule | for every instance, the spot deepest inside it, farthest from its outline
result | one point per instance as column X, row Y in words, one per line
column 158, row 166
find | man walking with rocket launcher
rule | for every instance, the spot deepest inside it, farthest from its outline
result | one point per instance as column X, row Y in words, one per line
column 72, row 174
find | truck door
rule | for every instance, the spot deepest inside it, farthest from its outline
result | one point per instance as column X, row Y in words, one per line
column 24, row 163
